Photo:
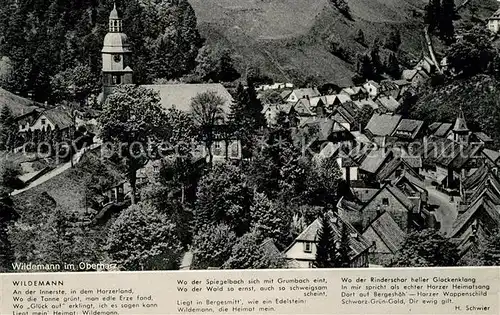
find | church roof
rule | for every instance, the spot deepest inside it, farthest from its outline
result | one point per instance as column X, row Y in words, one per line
column 114, row 13
column 115, row 43
column 460, row 124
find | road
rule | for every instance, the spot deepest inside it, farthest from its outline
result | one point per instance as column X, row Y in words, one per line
column 446, row 212
column 57, row 171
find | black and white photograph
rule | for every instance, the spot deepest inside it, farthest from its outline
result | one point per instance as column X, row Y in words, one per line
column 151, row 135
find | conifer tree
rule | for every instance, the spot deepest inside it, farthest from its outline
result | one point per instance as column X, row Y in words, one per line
column 326, row 250
column 7, row 127
column 446, row 28
column 360, row 37
column 343, row 258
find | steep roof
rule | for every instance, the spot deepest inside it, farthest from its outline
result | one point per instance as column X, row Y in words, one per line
column 408, row 126
column 181, row 95
column 357, row 242
column 383, row 124
column 495, row 16
column 387, row 169
column 440, row 129
column 388, row 102
column 374, row 160
column 18, row 105
column 59, row 117
column 396, row 192
column 483, row 203
column 492, row 155
column 388, row 231
column 366, row 102
column 307, row 92
column 460, row 123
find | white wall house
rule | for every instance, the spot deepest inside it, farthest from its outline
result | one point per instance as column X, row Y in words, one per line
column 494, row 22
column 349, row 170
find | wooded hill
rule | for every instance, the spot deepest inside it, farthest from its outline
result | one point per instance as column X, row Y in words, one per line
column 288, row 39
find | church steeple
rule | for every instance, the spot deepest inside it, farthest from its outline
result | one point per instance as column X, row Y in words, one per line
column 460, row 130
column 116, row 53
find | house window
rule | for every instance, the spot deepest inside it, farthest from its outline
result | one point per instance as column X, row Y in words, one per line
column 156, row 168
column 385, row 201
column 307, row 247
column 44, row 121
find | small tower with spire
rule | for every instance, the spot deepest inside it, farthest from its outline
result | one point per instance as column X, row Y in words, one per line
column 116, row 54
column 460, row 130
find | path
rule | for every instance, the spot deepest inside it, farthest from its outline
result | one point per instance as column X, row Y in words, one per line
column 447, row 212
column 431, row 49
column 57, row 171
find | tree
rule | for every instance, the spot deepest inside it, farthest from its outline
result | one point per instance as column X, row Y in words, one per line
column 223, row 197
column 427, row 248
column 143, row 239
column 248, row 253
column 342, row 6
column 364, row 115
column 360, row 37
column 393, row 40
column 472, row 53
column 271, row 219
column 336, row 48
column 392, row 66
column 208, row 111
column 8, row 128
column 132, row 119
column 74, row 84
column 212, row 246
column 433, row 14
column 446, row 28
column 9, row 172
column 246, row 117
column 343, row 259
column 489, row 254
column 216, row 65
column 323, row 182
column 326, row 248
column 365, row 67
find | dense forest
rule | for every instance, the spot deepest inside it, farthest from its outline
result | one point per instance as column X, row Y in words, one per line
column 47, row 46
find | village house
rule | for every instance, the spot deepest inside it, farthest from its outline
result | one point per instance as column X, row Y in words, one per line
column 348, row 167
column 492, row 158
column 302, row 252
column 299, row 94
column 355, row 92
column 383, row 124
column 391, row 199
column 387, row 239
column 494, row 22
column 373, row 88
column 409, row 129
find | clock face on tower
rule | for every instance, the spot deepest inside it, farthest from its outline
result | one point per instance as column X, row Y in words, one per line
column 117, row 58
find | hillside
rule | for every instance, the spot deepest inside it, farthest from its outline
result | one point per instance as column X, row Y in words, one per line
column 285, row 38
column 477, row 96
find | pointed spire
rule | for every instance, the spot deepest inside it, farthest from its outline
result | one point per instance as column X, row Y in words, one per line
column 114, row 13
column 460, row 123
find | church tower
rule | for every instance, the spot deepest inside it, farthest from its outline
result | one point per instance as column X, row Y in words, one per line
column 460, row 130
column 116, row 54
